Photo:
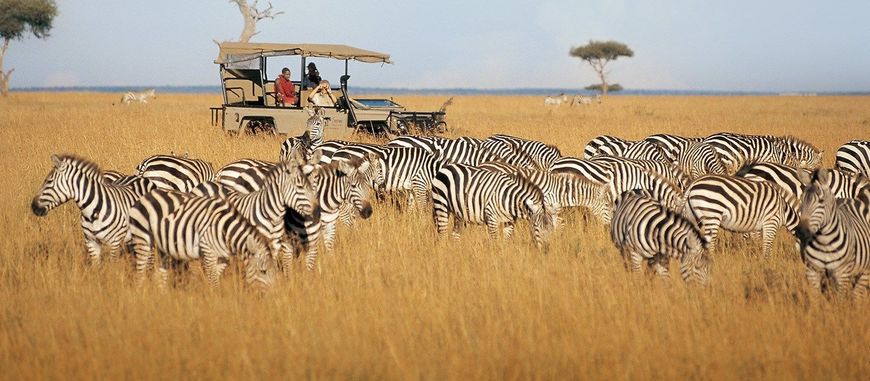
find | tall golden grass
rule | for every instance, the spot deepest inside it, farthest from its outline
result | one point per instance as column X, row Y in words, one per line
column 392, row 302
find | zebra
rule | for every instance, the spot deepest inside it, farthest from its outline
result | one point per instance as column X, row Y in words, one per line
column 564, row 191
column 595, row 171
column 410, row 170
column 427, row 143
column 104, row 206
column 737, row 150
column 543, row 155
column 854, row 157
column 175, row 173
column 697, row 158
column 183, row 227
column 141, row 97
column 834, row 238
column 739, row 205
column 606, row 145
column 329, row 148
column 644, row 230
column 228, row 174
column 555, row 100
column 310, row 140
column 474, row 195
column 669, row 171
column 644, row 150
column 628, row 176
column 585, row 100
column 672, row 145
column 284, row 188
column 794, row 180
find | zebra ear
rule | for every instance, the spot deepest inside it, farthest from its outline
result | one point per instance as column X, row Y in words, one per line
column 804, row 177
column 364, row 166
column 821, row 175
column 56, row 160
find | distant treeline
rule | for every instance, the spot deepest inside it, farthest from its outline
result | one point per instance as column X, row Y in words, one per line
column 448, row 91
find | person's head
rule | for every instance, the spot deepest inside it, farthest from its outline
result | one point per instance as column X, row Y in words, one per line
column 312, row 66
column 323, row 85
column 286, row 73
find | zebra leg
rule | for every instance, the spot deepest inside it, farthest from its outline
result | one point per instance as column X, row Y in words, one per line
column 508, row 230
column 814, row 278
column 660, row 267
column 491, row 222
column 441, row 218
column 328, row 223
column 144, row 261
column 94, row 250
column 769, row 234
column 458, row 225
column 842, row 280
column 862, row 286
column 163, row 272
column 636, row 260
column 710, row 229
column 115, row 247
column 211, row 267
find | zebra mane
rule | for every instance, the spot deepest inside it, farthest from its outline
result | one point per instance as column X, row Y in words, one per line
column 793, row 142
column 86, row 166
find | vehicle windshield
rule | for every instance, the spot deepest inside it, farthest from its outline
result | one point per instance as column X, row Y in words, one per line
column 377, row 103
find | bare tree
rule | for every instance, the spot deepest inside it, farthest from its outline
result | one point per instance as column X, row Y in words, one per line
column 252, row 15
column 17, row 19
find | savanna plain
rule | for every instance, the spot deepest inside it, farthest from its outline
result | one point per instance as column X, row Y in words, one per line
column 392, row 301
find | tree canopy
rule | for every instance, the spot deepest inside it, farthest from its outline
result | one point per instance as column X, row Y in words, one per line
column 597, row 87
column 18, row 17
column 598, row 54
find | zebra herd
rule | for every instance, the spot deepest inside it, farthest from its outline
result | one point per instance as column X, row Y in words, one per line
column 664, row 197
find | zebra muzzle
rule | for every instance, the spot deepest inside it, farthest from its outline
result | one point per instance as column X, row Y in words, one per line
column 37, row 209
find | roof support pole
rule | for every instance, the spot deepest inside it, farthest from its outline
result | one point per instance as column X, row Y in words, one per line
column 345, row 67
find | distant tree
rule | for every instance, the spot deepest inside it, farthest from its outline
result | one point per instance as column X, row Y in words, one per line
column 252, row 15
column 598, row 54
column 613, row 87
column 17, row 19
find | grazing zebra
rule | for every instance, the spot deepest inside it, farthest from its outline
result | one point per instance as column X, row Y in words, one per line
column 284, row 188
column 669, row 171
column 584, row 100
column 644, row 150
column 672, row 145
column 228, row 174
column 794, row 180
column 697, row 158
column 183, row 227
column 543, row 155
column 175, row 173
column 104, row 206
column 428, row 143
column 627, row 176
column 644, row 230
column 854, row 157
column 835, row 239
column 335, row 184
column 309, row 141
column 738, row 150
column 595, row 171
column 555, row 100
column 479, row 196
column 141, row 97
column 410, row 170
column 738, row 205
column 606, row 145
column 564, row 191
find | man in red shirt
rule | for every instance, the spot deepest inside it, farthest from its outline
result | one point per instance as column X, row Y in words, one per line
column 285, row 92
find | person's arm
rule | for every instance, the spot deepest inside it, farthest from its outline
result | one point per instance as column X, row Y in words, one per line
column 311, row 94
column 291, row 98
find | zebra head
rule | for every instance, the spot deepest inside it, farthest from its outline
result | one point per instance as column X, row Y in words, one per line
column 357, row 187
column 295, row 188
column 63, row 182
column 798, row 153
column 259, row 259
column 695, row 263
column 817, row 206
column 601, row 205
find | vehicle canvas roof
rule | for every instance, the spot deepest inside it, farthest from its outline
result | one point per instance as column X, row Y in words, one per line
column 242, row 51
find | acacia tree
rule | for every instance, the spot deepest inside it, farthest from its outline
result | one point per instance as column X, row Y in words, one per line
column 17, row 18
column 598, row 54
column 252, row 15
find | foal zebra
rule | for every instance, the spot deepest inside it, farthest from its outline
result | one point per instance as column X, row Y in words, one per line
column 739, row 205
column 183, row 227
column 643, row 229
column 854, row 157
column 104, row 206
column 309, row 141
column 835, row 238
column 485, row 197
column 175, row 173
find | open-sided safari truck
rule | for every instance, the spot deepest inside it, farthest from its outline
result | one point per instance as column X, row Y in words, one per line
column 250, row 99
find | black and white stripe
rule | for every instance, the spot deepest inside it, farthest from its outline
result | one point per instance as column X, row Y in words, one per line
column 606, row 145
column 595, row 171
column 183, row 227
column 627, row 176
column 228, row 174
column 672, row 145
column 474, row 195
column 667, row 170
column 104, row 206
column 697, row 158
column 793, row 180
column 175, row 173
column 738, row 205
column 542, row 155
column 309, row 141
column 410, row 171
column 644, row 230
column 854, row 157
column 835, row 239
column 738, row 150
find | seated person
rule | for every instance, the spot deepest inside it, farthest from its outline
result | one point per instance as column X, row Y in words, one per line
column 322, row 95
column 285, row 92
column 312, row 78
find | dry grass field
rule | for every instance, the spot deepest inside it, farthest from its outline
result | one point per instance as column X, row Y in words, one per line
column 392, row 302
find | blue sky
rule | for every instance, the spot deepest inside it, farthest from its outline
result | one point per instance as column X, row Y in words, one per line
column 724, row 45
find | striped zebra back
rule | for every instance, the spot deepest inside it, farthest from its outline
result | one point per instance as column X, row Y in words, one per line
column 698, row 158
column 737, row 150
column 591, row 170
column 606, row 145
column 799, row 153
column 646, row 230
column 228, row 174
column 543, row 155
column 669, row 171
column 854, row 157
column 672, row 145
column 327, row 149
column 644, row 150
column 175, row 173
column 789, row 179
column 404, row 166
column 628, row 176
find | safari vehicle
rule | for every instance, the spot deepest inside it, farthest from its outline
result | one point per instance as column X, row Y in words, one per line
column 250, row 100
